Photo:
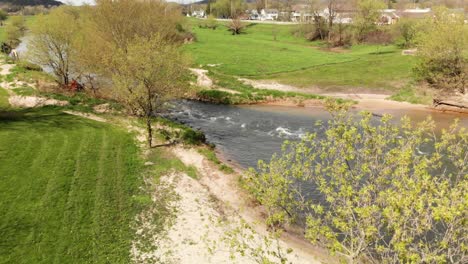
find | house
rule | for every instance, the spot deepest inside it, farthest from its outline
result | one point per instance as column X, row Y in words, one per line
column 269, row 14
column 198, row 14
column 416, row 13
column 341, row 16
column 388, row 17
column 253, row 14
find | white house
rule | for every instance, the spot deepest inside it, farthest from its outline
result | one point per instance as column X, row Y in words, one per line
column 198, row 14
column 388, row 17
column 269, row 14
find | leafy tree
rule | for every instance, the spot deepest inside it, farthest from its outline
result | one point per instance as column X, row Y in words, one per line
column 407, row 29
column 228, row 8
column 366, row 17
column 443, row 50
column 147, row 73
column 15, row 31
column 3, row 16
column 373, row 192
column 52, row 41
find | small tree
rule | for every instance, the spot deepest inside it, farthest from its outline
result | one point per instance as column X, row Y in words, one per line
column 211, row 22
column 235, row 26
column 52, row 40
column 443, row 50
column 367, row 17
column 147, row 74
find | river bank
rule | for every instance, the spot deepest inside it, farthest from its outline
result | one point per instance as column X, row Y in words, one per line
column 222, row 89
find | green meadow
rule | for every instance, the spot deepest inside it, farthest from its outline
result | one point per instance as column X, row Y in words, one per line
column 258, row 54
column 67, row 188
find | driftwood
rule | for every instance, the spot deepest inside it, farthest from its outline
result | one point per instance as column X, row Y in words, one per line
column 438, row 102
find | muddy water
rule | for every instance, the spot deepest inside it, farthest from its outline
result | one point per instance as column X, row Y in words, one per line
column 245, row 134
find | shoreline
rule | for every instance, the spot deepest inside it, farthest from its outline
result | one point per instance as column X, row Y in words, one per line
column 375, row 106
column 233, row 198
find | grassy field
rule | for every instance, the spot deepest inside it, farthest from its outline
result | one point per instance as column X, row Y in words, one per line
column 293, row 60
column 66, row 189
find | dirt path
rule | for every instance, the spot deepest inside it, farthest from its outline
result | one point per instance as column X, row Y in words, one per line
column 24, row 101
column 6, row 68
column 365, row 101
column 203, row 80
column 224, row 187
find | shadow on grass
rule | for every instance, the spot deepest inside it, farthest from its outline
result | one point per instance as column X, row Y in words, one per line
column 43, row 118
column 383, row 52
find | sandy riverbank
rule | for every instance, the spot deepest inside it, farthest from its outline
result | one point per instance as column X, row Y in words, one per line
column 236, row 204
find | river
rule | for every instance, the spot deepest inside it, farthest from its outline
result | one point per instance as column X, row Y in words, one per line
column 245, row 134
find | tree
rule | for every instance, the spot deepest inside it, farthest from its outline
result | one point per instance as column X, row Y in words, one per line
column 52, row 39
column 320, row 29
column 366, row 17
column 375, row 192
column 228, row 8
column 408, row 29
column 3, row 16
column 443, row 50
column 333, row 7
column 146, row 74
column 15, row 31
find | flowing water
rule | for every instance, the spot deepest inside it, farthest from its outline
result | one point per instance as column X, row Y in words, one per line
column 245, row 134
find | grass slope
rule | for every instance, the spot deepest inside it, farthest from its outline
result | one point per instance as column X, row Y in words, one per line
column 293, row 60
column 66, row 188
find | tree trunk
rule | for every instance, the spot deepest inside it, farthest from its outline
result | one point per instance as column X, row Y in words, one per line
column 150, row 131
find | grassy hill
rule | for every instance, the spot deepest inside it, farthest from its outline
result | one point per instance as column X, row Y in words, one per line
column 293, row 60
column 66, row 189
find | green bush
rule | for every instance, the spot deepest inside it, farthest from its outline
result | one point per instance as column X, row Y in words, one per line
column 215, row 96
column 192, row 137
column 29, row 66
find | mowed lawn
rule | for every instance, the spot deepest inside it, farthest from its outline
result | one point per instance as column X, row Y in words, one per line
column 66, row 189
column 293, row 60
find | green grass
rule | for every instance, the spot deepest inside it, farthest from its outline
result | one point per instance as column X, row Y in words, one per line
column 411, row 94
column 165, row 162
column 31, row 75
column 293, row 60
column 66, row 188
column 25, row 91
column 386, row 71
column 4, row 99
column 246, row 94
column 211, row 156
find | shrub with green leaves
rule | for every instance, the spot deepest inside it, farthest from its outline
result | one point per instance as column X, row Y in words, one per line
column 443, row 52
column 379, row 191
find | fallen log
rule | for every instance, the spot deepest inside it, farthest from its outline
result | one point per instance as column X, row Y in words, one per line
column 438, row 102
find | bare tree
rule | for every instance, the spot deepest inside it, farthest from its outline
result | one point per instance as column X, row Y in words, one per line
column 235, row 26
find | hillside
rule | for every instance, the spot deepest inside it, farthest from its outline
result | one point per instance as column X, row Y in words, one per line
column 30, row 2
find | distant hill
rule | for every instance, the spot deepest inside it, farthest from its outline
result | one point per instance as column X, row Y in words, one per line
column 30, row 2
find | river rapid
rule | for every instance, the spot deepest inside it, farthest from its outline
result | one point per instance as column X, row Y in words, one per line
column 246, row 134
